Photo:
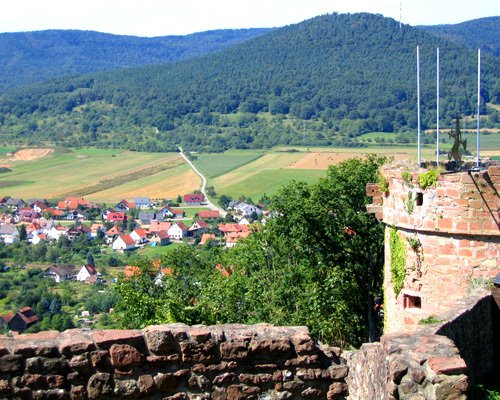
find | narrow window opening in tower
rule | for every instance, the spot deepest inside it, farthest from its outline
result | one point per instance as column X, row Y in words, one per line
column 412, row 301
column 419, row 199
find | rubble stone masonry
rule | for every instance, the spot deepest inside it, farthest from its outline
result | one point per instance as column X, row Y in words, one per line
column 172, row 362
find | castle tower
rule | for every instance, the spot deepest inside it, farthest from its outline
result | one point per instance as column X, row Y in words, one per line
column 442, row 239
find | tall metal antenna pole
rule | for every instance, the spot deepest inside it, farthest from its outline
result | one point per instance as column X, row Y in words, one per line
column 437, row 107
column 478, row 162
column 418, row 108
column 400, row 12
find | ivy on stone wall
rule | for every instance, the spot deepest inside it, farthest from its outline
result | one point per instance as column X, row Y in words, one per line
column 398, row 260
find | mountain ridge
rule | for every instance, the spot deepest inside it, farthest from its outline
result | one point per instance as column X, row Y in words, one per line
column 338, row 75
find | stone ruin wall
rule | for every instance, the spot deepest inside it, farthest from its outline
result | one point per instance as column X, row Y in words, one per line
column 172, row 362
column 226, row 362
column 457, row 226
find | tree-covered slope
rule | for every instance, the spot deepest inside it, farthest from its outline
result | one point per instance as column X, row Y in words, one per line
column 319, row 81
column 481, row 33
column 30, row 57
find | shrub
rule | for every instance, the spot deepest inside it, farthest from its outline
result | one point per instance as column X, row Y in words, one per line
column 428, row 179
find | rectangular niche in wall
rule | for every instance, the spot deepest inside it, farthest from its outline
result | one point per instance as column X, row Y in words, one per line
column 411, row 301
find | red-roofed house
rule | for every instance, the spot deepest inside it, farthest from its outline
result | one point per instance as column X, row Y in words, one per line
column 208, row 214
column 21, row 320
column 54, row 213
column 114, row 216
column 193, row 199
column 233, row 237
column 85, row 272
column 124, row 205
column 124, row 243
column 159, row 238
column 198, row 227
column 140, row 236
column 157, row 226
column 72, row 203
column 177, row 231
column 39, row 206
column 206, row 237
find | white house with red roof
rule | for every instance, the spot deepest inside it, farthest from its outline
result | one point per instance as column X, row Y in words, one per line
column 157, row 226
column 124, row 205
column 57, row 231
column 159, row 238
column 140, row 236
column 178, row 231
column 124, row 243
column 193, row 199
column 85, row 272
column 198, row 227
column 115, row 216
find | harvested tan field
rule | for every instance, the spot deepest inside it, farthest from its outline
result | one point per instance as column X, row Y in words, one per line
column 31, row 154
column 166, row 184
column 321, row 160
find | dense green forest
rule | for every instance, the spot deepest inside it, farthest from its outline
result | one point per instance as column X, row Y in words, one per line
column 319, row 82
column 30, row 57
column 483, row 33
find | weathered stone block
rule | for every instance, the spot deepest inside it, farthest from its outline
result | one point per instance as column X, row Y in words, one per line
column 447, row 365
column 228, row 377
column 99, row 358
column 311, row 393
column 100, row 385
column 145, row 384
column 160, row 340
column 455, row 389
column 166, row 381
column 198, row 352
column 105, row 338
column 234, row 350
column 125, row 387
column 11, row 363
column 33, row 381
column 5, row 388
column 75, row 341
column 124, row 356
column 77, row 393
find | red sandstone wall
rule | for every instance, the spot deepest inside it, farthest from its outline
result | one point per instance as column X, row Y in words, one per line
column 171, row 362
column 458, row 227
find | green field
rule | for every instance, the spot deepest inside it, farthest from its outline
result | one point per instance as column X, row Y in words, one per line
column 216, row 164
column 268, row 182
column 90, row 171
column 110, row 175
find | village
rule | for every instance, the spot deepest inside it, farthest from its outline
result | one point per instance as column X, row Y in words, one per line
column 125, row 228
column 128, row 225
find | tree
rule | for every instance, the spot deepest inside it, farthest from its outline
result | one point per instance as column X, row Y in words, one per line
column 90, row 259
column 22, row 232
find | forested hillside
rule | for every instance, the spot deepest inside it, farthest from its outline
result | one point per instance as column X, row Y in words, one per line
column 481, row 33
column 30, row 57
column 322, row 81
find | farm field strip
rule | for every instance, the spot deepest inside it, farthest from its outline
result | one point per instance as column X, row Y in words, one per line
column 216, row 164
column 166, row 184
column 57, row 174
column 268, row 181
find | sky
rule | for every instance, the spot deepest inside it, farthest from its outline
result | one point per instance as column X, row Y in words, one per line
column 179, row 17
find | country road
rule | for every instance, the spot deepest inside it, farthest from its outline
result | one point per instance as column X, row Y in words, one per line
column 210, row 205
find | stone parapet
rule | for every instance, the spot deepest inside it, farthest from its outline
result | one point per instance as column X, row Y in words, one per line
column 172, row 362
column 461, row 203
column 407, row 366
